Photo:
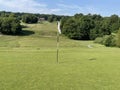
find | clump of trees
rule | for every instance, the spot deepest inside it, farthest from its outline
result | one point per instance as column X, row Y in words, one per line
column 89, row 27
column 29, row 18
column 10, row 25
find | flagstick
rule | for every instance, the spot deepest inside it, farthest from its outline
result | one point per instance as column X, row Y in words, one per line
column 59, row 32
column 57, row 47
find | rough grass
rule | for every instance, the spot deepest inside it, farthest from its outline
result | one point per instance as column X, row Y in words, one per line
column 28, row 62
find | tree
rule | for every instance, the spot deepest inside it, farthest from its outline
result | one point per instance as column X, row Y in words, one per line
column 78, row 29
column 63, row 21
column 51, row 18
column 118, row 38
column 10, row 25
column 69, row 28
column 12, row 15
column 16, row 27
column 105, row 28
column 114, row 23
column 78, row 16
column 86, row 25
column 29, row 18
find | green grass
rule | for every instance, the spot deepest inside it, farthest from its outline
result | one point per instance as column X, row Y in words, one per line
column 28, row 62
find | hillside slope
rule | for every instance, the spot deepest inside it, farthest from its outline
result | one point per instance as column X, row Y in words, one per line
column 28, row 62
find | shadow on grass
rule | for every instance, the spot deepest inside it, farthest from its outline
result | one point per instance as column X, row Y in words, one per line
column 22, row 33
column 26, row 33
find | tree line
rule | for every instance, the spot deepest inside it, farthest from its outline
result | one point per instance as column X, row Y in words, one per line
column 104, row 30
column 89, row 27
column 32, row 18
column 10, row 22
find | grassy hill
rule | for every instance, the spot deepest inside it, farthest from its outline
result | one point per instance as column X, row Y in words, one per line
column 28, row 62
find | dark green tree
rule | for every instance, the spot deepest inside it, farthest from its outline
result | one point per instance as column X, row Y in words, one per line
column 78, row 29
column 114, row 23
column 51, row 18
column 29, row 18
column 10, row 25
column 105, row 28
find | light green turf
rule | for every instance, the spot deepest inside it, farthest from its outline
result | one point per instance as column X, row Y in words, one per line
column 29, row 62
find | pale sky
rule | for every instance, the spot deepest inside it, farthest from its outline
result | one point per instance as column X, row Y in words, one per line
column 62, row 7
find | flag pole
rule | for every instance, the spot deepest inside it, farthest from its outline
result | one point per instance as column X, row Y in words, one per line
column 57, row 47
column 58, row 32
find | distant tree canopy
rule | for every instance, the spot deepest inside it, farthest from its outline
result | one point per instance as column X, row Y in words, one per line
column 10, row 25
column 79, row 26
column 22, row 16
column 10, row 22
column 29, row 18
column 89, row 27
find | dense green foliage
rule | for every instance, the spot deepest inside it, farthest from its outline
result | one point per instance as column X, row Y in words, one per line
column 78, row 27
column 10, row 25
column 46, row 17
column 53, row 18
column 114, row 23
column 118, row 38
column 107, row 40
column 29, row 18
column 89, row 27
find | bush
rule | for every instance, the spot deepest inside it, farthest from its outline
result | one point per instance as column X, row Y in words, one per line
column 107, row 40
column 104, row 39
column 110, row 41
column 98, row 40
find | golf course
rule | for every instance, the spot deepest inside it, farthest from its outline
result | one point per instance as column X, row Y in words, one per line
column 28, row 62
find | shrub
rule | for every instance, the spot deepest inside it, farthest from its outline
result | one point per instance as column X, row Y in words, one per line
column 110, row 41
column 98, row 40
column 107, row 40
column 104, row 39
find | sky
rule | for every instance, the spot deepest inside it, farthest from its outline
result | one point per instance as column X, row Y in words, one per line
column 62, row 7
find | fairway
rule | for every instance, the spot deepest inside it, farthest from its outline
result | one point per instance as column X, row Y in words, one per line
column 28, row 62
